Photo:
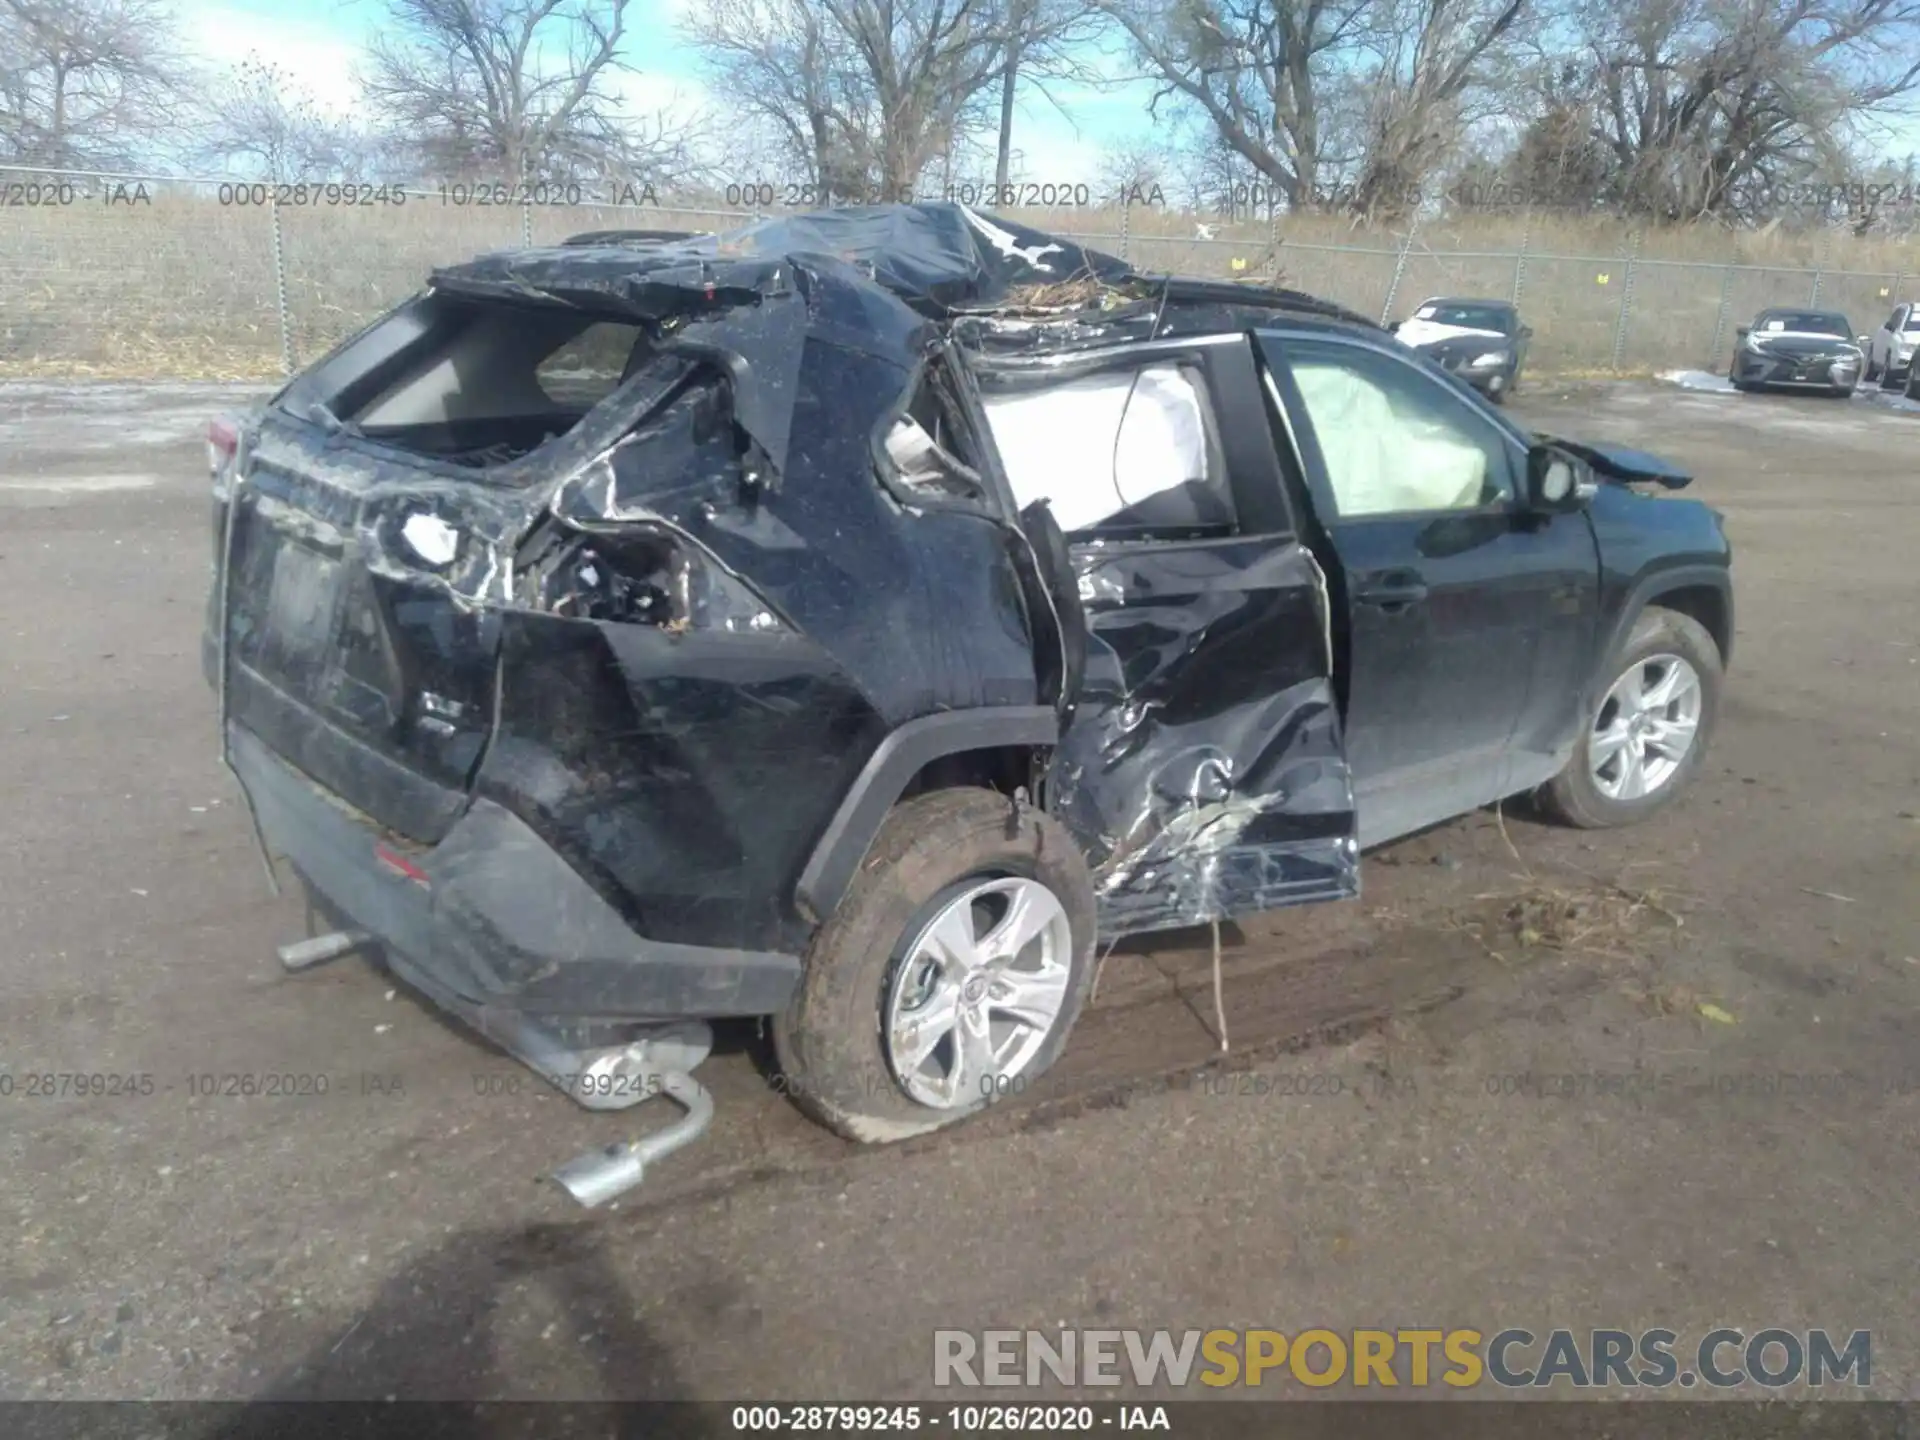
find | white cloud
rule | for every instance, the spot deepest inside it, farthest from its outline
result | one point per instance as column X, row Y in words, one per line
column 318, row 60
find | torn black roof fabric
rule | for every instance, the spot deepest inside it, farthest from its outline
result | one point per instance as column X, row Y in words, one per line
column 935, row 257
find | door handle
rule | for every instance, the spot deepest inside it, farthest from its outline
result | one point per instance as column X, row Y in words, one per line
column 1392, row 592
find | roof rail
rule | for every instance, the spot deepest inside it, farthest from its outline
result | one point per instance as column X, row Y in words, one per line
column 631, row 237
column 1274, row 297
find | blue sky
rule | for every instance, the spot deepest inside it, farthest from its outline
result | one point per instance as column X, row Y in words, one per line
column 319, row 42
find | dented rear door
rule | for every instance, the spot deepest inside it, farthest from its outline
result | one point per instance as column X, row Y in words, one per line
column 1203, row 766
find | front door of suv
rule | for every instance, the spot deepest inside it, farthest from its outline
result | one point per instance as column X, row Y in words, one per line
column 1467, row 619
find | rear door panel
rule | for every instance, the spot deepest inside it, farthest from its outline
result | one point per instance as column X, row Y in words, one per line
column 1202, row 766
column 1204, row 769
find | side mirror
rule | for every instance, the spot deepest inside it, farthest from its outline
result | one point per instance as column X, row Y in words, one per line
column 1558, row 483
column 1396, row 322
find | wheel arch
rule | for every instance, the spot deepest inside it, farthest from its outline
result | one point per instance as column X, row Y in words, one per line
column 1702, row 591
column 994, row 747
column 1710, row 604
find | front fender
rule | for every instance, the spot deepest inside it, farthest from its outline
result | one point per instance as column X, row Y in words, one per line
column 1654, row 551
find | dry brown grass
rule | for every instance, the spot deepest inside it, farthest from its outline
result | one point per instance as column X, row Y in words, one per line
column 187, row 288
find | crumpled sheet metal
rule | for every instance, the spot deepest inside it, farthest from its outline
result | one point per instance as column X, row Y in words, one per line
column 922, row 609
column 1203, row 771
column 758, row 324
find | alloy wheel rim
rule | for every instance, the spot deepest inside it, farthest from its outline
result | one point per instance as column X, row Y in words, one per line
column 1645, row 728
column 978, row 992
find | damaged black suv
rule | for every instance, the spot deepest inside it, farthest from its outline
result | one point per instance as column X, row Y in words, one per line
column 849, row 619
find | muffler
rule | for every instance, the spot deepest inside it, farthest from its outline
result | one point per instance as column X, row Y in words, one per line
column 305, row 954
column 600, row 1175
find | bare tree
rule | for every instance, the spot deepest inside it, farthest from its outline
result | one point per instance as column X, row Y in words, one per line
column 1557, row 165
column 87, row 82
column 1254, row 68
column 1710, row 107
column 1428, row 54
column 1349, row 103
column 517, row 89
column 1126, row 171
column 260, row 119
column 867, row 93
column 1046, row 40
column 927, row 62
column 786, row 65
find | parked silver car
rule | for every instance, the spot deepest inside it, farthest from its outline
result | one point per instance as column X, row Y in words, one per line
column 1890, row 349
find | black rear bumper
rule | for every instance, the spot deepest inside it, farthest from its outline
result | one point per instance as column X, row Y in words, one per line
column 493, row 915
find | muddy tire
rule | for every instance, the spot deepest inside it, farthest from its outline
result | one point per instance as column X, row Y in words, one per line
column 953, row 880
column 1659, row 700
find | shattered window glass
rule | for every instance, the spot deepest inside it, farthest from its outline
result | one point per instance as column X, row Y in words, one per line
column 1123, row 450
column 1395, row 443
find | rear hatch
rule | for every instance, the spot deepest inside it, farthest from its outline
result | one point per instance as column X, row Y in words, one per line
column 375, row 511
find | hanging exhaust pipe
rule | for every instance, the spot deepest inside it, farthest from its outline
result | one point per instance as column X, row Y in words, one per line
column 305, row 954
column 600, row 1175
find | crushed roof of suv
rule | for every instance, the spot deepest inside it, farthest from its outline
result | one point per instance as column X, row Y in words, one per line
column 944, row 261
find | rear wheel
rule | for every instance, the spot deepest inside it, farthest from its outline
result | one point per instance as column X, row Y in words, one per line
column 1912, row 392
column 1649, row 733
column 950, row 974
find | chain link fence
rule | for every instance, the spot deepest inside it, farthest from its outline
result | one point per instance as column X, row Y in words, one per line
column 141, row 276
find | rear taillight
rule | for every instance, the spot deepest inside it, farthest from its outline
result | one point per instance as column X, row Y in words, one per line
column 223, row 449
column 639, row 574
column 223, row 442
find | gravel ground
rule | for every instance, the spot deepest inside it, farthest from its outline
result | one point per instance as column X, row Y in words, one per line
column 391, row 1236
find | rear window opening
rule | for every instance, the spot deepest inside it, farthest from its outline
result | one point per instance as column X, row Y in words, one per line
column 478, row 382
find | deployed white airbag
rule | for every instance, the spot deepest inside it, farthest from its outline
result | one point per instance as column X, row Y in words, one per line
column 1381, row 457
column 1059, row 444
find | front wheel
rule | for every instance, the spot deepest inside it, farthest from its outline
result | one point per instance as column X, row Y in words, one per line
column 1912, row 391
column 950, row 974
column 1646, row 739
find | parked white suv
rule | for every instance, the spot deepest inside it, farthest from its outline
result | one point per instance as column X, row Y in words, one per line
column 1890, row 349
